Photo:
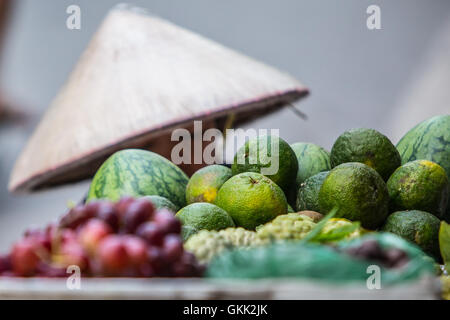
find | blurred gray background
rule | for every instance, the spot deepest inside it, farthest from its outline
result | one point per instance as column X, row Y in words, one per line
column 385, row 79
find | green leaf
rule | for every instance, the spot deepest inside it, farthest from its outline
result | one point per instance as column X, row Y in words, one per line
column 337, row 233
column 314, row 233
column 444, row 243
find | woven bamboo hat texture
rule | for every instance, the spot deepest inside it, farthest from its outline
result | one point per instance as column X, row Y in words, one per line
column 139, row 78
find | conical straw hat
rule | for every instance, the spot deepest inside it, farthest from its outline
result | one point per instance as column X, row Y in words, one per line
column 140, row 77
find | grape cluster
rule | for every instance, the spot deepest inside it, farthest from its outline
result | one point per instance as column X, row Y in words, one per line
column 127, row 239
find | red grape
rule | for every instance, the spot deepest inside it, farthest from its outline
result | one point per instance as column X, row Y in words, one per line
column 40, row 238
column 137, row 213
column 67, row 235
column 180, row 270
column 167, row 221
column 151, row 233
column 52, row 231
column 92, row 207
column 187, row 266
column 172, row 247
column 5, row 263
column 123, row 204
column 136, row 249
column 77, row 216
column 24, row 258
column 107, row 212
column 72, row 253
column 156, row 259
column 91, row 234
column 112, row 255
column 146, row 270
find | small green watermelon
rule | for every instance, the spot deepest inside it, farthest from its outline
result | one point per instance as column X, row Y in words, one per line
column 162, row 203
column 311, row 158
column 429, row 140
column 134, row 172
column 308, row 192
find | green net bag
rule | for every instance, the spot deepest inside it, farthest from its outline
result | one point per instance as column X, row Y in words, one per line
column 319, row 262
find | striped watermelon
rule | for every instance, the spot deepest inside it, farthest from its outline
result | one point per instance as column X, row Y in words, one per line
column 312, row 159
column 136, row 173
column 429, row 140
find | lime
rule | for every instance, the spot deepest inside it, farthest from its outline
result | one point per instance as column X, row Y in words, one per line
column 417, row 226
column 270, row 156
column 420, row 185
column 206, row 182
column 202, row 215
column 367, row 146
column 251, row 199
column 358, row 192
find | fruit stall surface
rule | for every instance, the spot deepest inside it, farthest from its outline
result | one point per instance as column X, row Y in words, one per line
column 201, row 289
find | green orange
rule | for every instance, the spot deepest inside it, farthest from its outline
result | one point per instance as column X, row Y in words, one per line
column 251, row 199
column 419, row 227
column 203, row 216
column 420, row 185
column 268, row 155
column 367, row 146
column 206, row 182
column 359, row 193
